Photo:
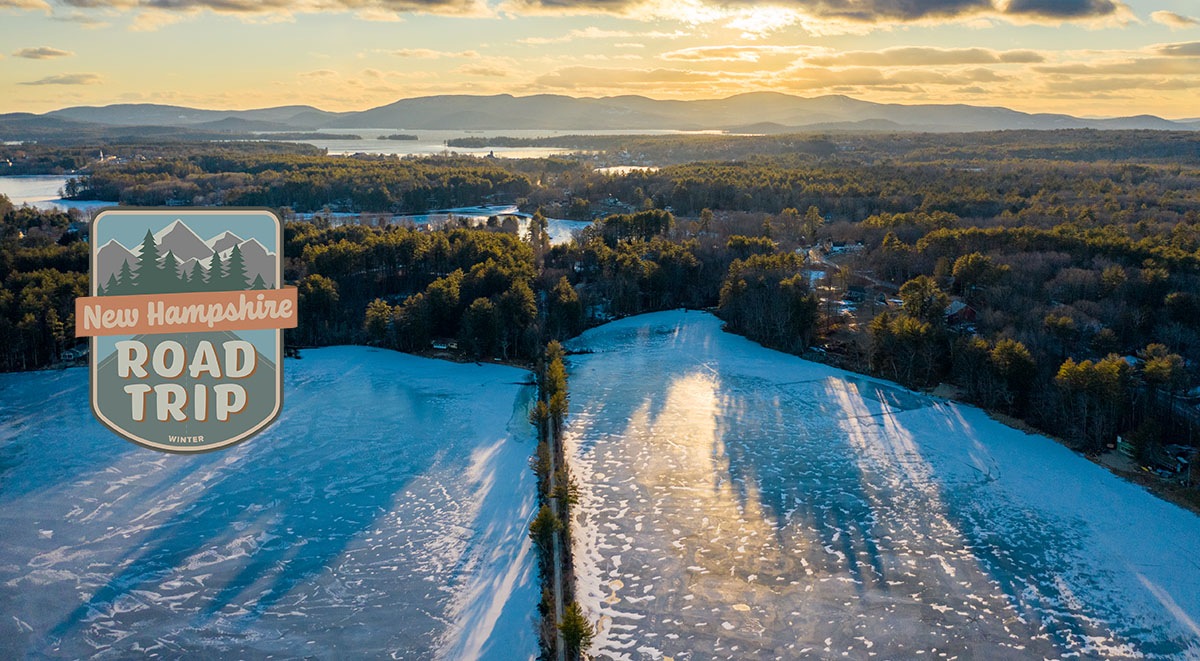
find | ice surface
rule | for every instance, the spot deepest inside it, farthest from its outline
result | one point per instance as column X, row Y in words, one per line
column 383, row 515
column 741, row 503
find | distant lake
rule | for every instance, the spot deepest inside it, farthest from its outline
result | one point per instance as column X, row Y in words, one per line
column 44, row 191
column 434, row 142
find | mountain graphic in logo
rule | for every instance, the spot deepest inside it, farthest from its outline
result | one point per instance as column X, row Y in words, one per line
column 176, row 259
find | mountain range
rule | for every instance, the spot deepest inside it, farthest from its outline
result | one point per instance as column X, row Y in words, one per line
column 189, row 248
column 758, row 112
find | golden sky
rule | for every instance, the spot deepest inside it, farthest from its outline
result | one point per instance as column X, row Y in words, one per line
column 1082, row 57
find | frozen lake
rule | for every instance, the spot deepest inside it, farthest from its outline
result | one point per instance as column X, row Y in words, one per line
column 740, row 503
column 44, row 192
column 383, row 515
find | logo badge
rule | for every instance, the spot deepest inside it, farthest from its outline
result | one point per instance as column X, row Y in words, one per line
column 186, row 314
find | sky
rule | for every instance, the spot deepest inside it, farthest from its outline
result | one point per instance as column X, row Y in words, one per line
column 1082, row 57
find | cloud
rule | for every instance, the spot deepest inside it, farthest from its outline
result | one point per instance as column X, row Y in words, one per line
column 596, row 57
column 429, row 54
column 592, row 32
column 482, row 69
column 819, row 77
column 152, row 14
column 86, row 20
column 23, row 4
column 379, row 15
column 66, row 79
column 744, row 15
column 1062, row 9
column 1173, row 20
column 1133, row 67
column 1187, row 49
column 42, row 53
column 914, row 56
column 731, row 53
column 1117, row 84
column 318, row 73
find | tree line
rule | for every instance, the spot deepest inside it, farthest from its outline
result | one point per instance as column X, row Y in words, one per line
column 304, row 183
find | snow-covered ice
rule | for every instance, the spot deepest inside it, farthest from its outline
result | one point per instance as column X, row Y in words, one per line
column 737, row 503
column 383, row 515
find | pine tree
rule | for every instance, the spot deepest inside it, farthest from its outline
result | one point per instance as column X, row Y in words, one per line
column 111, row 287
column 218, row 273
column 258, row 282
column 235, row 277
column 197, row 281
column 127, row 282
column 576, row 630
column 170, row 271
column 149, row 269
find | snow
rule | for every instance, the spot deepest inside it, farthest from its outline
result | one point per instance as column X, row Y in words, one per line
column 384, row 514
column 755, row 505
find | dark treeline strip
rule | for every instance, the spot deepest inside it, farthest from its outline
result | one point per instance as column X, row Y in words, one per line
column 60, row 159
column 1081, row 145
column 853, row 192
column 550, row 529
column 303, row 183
column 30, row 129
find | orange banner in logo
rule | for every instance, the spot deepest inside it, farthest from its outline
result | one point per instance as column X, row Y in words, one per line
column 144, row 314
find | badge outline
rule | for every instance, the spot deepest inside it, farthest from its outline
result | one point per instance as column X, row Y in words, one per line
column 93, row 342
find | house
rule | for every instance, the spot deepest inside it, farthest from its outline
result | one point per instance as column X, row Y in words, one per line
column 71, row 355
column 959, row 313
column 856, row 293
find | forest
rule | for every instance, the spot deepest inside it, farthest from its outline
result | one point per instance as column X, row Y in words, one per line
column 1047, row 282
column 865, row 147
column 18, row 159
column 303, row 183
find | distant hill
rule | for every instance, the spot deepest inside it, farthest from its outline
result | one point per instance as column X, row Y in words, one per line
column 138, row 114
column 769, row 111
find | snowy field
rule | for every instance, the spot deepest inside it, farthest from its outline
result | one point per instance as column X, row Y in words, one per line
column 739, row 503
column 383, row 515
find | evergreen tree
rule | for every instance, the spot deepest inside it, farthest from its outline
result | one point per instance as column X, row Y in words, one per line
column 564, row 310
column 170, row 271
column 543, row 527
column 479, row 331
column 577, row 632
column 150, row 269
column 197, row 281
column 218, row 273
column 127, row 281
column 377, row 322
column 111, row 287
column 922, row 300
column 258, row 282
column 234, row 278
column 812, row 222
